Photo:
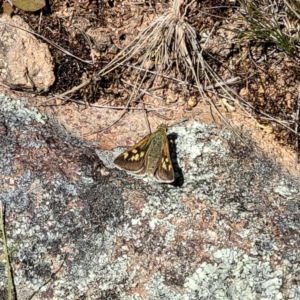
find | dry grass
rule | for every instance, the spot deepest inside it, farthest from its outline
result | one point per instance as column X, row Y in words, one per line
column 272, row 22
column 6, row 255
column 171, row 45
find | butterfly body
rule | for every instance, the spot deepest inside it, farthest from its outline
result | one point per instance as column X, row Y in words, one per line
column 149, row 157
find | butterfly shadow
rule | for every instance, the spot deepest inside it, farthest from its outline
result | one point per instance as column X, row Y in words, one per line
column 178, row 174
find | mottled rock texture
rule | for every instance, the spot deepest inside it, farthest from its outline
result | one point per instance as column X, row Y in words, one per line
column 227, row 229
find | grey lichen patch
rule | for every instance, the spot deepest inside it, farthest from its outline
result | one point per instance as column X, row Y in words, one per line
column 62, row 216
column 170, row 234
column 158, row 289
column 15, row 117
column 286, row 190
column 234, row 275
column 18, row 112
column 60, row 240
column 107, row 157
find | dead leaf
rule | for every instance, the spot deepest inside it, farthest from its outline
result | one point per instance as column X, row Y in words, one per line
column 29, row 5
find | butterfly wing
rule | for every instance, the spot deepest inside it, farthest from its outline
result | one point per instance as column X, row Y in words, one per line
column 132, row 160
column 165, row 171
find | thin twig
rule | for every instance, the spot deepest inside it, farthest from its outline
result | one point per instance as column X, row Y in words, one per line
column 115, row 122
column 297, row 126
column 80, row 102
column 6, row 86
column 146, row 117
column 6, row 254
column 50, row 42
column 178, row 122
column 250, row 106
column 142, row 90
column 160, row 116
column 143, row 104
column 75, row 88
column 227, row 82
column 40, row 21
column 86, row 37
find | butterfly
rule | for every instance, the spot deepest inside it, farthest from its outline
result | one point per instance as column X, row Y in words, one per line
column 149, row 157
